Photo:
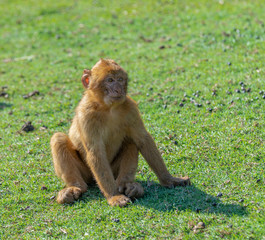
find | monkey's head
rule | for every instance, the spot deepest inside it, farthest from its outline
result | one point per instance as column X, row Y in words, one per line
column 107, row 80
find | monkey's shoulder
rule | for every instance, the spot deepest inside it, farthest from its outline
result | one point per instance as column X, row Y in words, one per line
column 130, row 104
column 131, row 101
column 129, row 109
column 87, row 106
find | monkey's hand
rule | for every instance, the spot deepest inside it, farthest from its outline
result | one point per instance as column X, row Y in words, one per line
column 119, row 200
column 131, row 189
column 69, row 195
column 173, row 182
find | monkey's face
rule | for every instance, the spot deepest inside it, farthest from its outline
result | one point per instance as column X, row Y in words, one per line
column 107, row 81
column 115, row 87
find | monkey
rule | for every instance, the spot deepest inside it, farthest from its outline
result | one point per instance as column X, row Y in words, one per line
column 105, row 137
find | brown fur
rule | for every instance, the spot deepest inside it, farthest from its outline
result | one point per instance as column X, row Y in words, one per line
column 104, row 140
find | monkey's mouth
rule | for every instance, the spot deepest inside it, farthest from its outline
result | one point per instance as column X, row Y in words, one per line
column 111, row 99
column 115, row 96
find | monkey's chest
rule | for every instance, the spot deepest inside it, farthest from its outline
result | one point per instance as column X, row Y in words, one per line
column 113, row 139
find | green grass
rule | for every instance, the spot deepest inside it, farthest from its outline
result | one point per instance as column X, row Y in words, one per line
column 169, row 48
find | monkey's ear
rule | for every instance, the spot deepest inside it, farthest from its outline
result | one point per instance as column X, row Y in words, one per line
column 85, row 77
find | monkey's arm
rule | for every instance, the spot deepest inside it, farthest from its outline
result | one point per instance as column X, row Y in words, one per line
column 148, row 149
column 98, row 163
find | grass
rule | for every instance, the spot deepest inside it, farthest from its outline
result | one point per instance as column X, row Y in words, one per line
column 170, row 49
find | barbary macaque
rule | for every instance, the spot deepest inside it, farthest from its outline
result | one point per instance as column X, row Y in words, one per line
column 105, row 137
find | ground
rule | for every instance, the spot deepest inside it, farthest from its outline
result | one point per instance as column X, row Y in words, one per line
column 197, row 71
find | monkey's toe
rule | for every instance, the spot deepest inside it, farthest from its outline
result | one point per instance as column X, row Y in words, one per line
column 69, row 195
column 119, row 200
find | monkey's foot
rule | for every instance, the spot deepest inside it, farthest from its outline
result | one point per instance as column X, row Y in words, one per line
column 131, row 189
column 69, row 195
column 119, row 200
column 181, row 181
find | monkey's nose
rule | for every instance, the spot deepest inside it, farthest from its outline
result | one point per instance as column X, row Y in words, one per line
column 117, row 90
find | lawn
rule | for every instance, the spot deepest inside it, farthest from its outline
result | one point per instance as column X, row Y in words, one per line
column 197, row 71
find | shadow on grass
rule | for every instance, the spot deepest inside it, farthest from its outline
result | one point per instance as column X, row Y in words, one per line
column 187, row 199
column 177, row 199
column 4, row 105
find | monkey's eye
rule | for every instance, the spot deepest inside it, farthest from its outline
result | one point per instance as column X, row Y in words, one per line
column 110, row 79
column 120, row 79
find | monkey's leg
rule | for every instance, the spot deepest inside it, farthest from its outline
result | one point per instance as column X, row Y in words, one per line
column 69, row 167
column 124, row 169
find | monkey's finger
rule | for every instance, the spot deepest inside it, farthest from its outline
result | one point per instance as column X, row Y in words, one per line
column 187, row 180
column 129, row 188
column 133, row 193
column 136, row 192
column 121, row 189
column 183, row 181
